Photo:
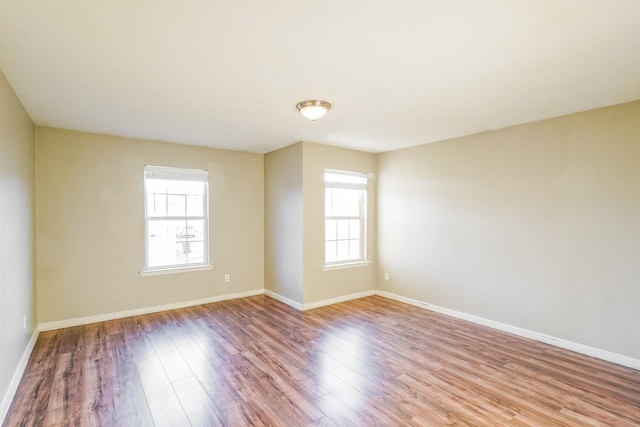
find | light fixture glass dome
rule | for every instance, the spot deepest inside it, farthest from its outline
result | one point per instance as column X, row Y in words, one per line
column 313, row 109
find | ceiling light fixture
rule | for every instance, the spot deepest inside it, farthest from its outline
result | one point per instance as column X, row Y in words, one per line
column 313, row 109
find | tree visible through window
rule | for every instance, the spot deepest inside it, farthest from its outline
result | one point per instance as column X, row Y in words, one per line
column 345, row 216
column 177, row 217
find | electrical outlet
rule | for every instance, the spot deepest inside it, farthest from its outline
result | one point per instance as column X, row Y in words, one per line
column 24, row 322
column 386, row 276
column 227, row 278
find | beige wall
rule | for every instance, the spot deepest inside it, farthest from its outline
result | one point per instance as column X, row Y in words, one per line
column 319, row 284
column 17, row 251
column 283, row 222
column 294, row 223
column 90, row 224
column 536, row 226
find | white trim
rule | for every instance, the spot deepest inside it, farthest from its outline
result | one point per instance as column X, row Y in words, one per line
column 162, row 271
column 17, row 376
column 184, row 175
column 336, row 300
column 47, row 326
column 330, row 267
column 598, row 353
column 282, row 299
column 173, row 173
column 317, row 304
column 361, row 189
column 333, row 176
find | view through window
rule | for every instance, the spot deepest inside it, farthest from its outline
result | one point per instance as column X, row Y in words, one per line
column 177, row 217
column 345, row 216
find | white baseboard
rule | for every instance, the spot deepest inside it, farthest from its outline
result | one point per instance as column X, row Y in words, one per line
column 317, row 304
column 598, row 353
column 336, row 300
column 17, row 376
column 47, row 326
column 282, row 299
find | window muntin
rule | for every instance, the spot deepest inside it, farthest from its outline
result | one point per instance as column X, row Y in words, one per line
column 345, row 217
column 176, row 217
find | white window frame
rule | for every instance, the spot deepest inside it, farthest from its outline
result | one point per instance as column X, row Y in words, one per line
column 362, row 217
column 177, row 174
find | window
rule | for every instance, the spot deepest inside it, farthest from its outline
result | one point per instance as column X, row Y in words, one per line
column 177, row 218
column 345, row 201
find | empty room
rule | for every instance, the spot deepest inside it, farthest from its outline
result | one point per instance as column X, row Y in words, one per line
column 338, row 213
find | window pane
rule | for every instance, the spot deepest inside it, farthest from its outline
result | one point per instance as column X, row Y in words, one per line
column 345, row 193
column 354, row 228
column 181, row 251
column 151, row 209
column 342, row 202
column 176, row 205
column 354, row 203
column 197, row 252
column 330, row 252
column 175, row 187
column 156, row 185
column 354, row 249
column 195, row 206
column 343, row 229
column 337, row 201
column 193, row 188
column 184, row 232
column 195, row 229
column 328, row 206
column 156, row 205
column 343, row 250
column 157, row 253
column 330, row 229
column 165, row 230
column 182, row 194
column 163, row 243
column 345, row 199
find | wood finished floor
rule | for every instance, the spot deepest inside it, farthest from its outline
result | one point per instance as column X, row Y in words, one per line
column 256, row 361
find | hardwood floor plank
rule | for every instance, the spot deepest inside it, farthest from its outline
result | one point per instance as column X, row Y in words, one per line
column 169, row 414
column 338, row 412
column 256, row 361
column 171, row 359
column 154, row 381
column 196, row 403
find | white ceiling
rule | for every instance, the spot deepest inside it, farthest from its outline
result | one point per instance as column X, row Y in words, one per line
column 228, row 74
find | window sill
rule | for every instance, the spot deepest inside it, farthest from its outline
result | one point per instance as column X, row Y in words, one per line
column 346, row 265
column 159, row 272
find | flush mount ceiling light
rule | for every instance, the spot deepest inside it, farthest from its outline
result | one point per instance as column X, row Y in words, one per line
column 313, row 109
